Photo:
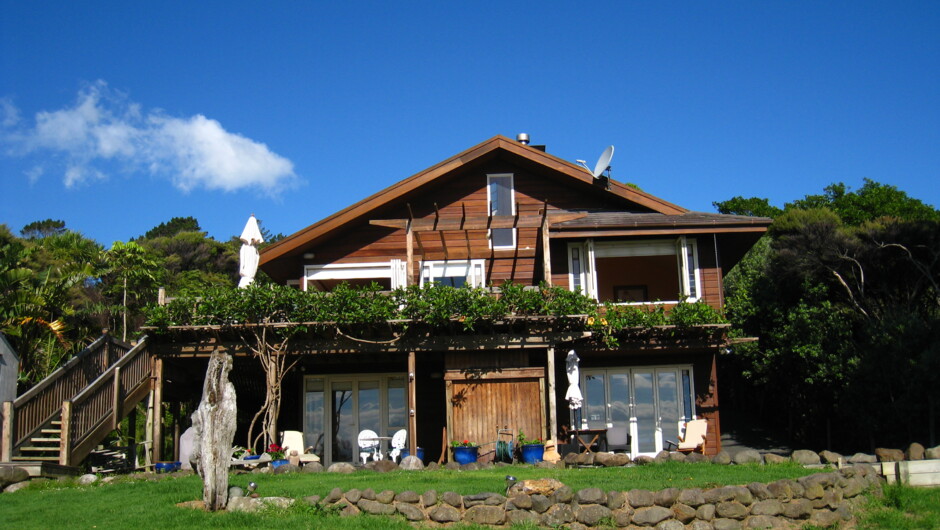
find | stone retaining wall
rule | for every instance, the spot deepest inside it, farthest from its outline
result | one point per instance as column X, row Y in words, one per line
column 822, row 499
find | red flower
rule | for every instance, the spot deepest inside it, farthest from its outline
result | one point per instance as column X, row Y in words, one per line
column 466, row 441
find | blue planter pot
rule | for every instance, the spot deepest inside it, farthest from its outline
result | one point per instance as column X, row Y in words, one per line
column 278, row 463
column 420, row 455
column 466, row 455
column 533, row 453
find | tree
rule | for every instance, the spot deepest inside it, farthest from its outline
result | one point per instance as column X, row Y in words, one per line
column 173, row 227
column 133, row 268
column 747, row 206
column 41, row 229
column 843, row 294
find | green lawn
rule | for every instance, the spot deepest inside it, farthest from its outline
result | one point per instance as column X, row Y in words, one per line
column 146, row 504
column 903, row 507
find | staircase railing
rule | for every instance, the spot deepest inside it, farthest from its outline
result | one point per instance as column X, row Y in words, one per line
column 99, row 408
column 42, row 403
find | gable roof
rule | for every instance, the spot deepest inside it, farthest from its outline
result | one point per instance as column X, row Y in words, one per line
column 499, row 143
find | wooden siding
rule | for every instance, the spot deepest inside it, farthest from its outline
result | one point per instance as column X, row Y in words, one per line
column 480, row 407
column 464, row 194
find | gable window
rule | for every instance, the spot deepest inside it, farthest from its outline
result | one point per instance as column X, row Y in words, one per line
column 659, row 270
column 500, row 197
column 453, row 273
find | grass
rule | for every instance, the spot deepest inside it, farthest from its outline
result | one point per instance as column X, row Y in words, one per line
column 128, row 503
column 903, row 507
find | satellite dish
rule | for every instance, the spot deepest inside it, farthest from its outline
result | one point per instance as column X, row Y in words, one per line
column 603, row 162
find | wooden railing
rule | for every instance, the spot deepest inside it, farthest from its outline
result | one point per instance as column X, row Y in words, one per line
column 99, row 408
column 42, row 403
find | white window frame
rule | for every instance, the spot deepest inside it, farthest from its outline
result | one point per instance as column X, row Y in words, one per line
column 474, row 270
column 512, row 207
column 394, row 270
column 681, row 247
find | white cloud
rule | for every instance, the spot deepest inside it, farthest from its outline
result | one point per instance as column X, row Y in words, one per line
column 104, row 127
column 9, row 114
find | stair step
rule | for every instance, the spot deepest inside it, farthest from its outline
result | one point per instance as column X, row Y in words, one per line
column 39, row 440
column 51, row 431
column 39, row 448
column 35, row 458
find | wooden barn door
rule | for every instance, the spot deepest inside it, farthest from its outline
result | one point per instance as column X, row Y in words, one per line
column 481, row 403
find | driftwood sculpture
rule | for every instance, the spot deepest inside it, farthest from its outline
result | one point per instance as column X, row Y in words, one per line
column 214, row 426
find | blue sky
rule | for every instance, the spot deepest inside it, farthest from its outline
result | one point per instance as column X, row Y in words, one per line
column 117, row 116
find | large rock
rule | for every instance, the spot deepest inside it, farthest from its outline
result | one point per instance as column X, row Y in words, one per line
column 640, row 498
column 410, row 511
column 384, row 466
column 12, row 475
column 666, row 497
column 651, row 516
column 915, row 451
column 592, row 514
column 932, row 453
column 805, row 457
column 375, row 507
column 694, row 458
column 87, row 478
column 341, row 467
column 283, row 469
column 862, row 458
column 611, row 459
column 692, row 497
column 411, row 463
column 542, row 486
column 748, row 456
column 829, row 457
column 885, row 454
column 771, row 458
column 591, row 496
column 444, row 513
column 723, row 458
column 17, row 486
column 244, row 504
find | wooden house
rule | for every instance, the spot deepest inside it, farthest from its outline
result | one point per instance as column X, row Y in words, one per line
column 501, row 210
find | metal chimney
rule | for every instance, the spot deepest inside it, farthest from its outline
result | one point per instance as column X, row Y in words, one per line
column 522, row 138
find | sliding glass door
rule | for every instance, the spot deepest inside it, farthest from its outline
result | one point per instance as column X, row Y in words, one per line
column 338, row 407
column 652, row 403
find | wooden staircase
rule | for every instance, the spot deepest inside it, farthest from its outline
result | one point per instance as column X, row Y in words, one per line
column 42, row 448
column 67, row 414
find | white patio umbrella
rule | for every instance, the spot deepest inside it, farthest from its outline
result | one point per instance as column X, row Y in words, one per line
column 573, row 394
column 248, row 256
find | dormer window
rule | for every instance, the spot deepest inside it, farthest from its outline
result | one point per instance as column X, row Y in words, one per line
column 501, row 200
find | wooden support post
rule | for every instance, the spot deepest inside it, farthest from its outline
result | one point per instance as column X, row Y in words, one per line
column 552, row 395
column 132, row 436
column 546, row 251
column 175, row 407
column 117, row 400
column 158, row 410
column 410, row 254
column 412, row 412
column 6, row 430
column 65, row 446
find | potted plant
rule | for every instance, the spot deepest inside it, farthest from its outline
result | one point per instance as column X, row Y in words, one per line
column 465, row 452
column 276, row 452
column 532, row 450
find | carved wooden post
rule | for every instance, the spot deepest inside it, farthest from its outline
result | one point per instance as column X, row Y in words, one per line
column 214, row 425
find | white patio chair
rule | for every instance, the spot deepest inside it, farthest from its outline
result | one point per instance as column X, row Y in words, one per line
column 368, row 445
column 294, row 441
column 694, row 438
column 398, row 444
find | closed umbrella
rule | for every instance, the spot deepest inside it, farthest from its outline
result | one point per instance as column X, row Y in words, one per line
column 248, row 256
column 573, row 394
